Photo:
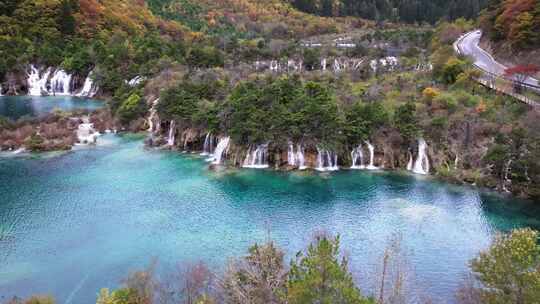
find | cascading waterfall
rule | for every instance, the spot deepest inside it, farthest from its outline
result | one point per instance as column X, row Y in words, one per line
column 274, row 65
column 337, row 65
column 291, row 156
column 1, row 90
column 60, row 83
column 258, row 158
column 37, row 84
column 296, row 158
column 357, row 157
column 57, row 84
column 300, row 159
column 371, row 149
column 88, row 89
column 135, row 81
column 86, row 134
column 152, row 117
column 421, row 165
column 326, row 160
column 208, row 145
column 507, row 180
column 410, row 163
column 221, row 150
column 323, row 64
column 172, row 131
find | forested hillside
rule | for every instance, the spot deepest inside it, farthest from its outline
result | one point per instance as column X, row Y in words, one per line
column 120, row 38
column 244, row 18
column 410, row 11
column 218, row 66
column 514, row 23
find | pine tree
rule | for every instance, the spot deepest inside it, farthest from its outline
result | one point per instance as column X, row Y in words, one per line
column 326, row 8
column 66, row 18
column 319, row 276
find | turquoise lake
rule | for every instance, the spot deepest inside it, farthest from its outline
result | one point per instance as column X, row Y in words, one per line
column 15, row 107
column 75, row 222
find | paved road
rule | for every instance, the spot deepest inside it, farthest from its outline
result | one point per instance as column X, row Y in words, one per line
column 469, row 46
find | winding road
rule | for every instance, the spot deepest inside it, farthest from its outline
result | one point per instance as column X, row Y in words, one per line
column 468, row 45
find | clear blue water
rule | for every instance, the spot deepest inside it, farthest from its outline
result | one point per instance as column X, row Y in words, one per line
column 15, row 107
column 73, row 223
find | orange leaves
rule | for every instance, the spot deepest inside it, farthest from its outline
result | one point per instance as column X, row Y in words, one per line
column 211, row 18
column 511, row 10
column 481, row 107
column 131, row 16
column 91, row 9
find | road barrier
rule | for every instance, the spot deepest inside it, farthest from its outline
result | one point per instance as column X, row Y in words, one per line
column 491, row 80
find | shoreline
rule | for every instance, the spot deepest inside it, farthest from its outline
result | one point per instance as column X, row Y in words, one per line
column 309, row 170
column 22, row 152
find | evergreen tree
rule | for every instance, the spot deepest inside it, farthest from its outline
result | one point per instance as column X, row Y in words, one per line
column 405, row 10
column 406, row 122
column 320, row 277
column 66, row 18
column 326, row 8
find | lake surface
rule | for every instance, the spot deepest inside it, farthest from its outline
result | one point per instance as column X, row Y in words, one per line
column 73, row 223
column 15, row 107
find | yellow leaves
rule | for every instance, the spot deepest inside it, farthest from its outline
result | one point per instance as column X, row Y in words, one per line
column 430, row 93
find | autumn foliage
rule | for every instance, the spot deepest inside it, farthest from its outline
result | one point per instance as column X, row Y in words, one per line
column 514, row 21
column 521, row 72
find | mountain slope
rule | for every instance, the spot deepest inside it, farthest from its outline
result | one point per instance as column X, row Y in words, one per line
column 244, row 18
column 411, row 11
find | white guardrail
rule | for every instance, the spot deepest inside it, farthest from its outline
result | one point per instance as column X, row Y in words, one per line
column 493, row 76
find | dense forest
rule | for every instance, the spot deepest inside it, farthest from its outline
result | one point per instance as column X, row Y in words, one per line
column 514, row 23
column 410, row 11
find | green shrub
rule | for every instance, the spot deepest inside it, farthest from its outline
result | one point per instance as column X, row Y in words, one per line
column 132, row 108
column 510, row 269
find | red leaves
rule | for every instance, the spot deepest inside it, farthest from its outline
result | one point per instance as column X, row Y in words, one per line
column 528, row 70
column 512, row 8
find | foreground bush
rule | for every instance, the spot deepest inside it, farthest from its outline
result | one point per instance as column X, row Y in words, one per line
column 507, row 272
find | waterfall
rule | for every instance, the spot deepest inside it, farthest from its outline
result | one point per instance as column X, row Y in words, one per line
column 323, row 64
column 86, row 133
column 410, row 163
column 507, row 179
column 37, row 84
column 274, row 66
column 300, row 159
column 152, row 117
column 371, row 165
column 1, row 90
column 421, row 165
column 296, row 159
column 221, row 150
column 172, row 131
column 258, row 158
column 208, row 144
column 57, row 84
column 60, row 83
column 135, row 81
column 88, row 89
column 326, row 160
column 291, row 156
column 357, row 157
column 337, row 65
